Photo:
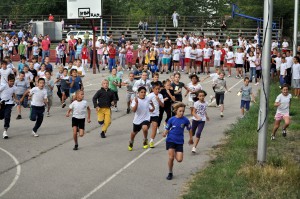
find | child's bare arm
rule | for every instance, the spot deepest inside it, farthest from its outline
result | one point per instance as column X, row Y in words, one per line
column 68, row 113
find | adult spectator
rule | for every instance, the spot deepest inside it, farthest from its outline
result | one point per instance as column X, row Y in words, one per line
column 175, row 17
column 62, row 24
column 86, row 37
column 122, row 40
column 223, row 25
column 285, row 45
column 140, row 25
column 5, row 24
column 20, row 36
column 45, row 48
column 1, row 24
column 110, row 39
column 51, row 17
column 71, row 47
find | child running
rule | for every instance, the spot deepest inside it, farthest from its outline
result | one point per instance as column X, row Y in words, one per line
column 220, row 88
column 49, row 85
column 103, row 100
column 246, row 93
column 22, row 85
column 79, row 107
column 141, row 121
column 158, row 102
column 199, row 117
column 8, row 96
column 175, row 136
column 38, row 96
column 283, row 103
column 114, row 82
column 130, row 93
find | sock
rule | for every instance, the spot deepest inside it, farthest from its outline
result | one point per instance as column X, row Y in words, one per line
column 151, row 140
column 170, row 171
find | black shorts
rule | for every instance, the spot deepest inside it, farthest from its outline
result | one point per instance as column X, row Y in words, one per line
column 66, row 91
column 239, row 65
column 154, row 119
column 116, row 95
column 221, row 62
column 138, row 127
column 175, row 61
column 78, row 122
column 220, row 98
column 172, row 145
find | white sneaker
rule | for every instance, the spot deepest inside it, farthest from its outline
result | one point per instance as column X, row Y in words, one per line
column 157, row 131
column 221, row 114
column 194, row 149
column 5, row 136
column 256, row 83
column 48, row 114
column 272, row 137
column 35, row 134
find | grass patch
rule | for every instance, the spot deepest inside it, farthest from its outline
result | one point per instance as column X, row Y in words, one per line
column 234, row 174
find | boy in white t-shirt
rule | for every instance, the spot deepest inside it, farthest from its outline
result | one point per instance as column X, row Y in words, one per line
column 141, row 106
column 283, row 103
column 79, row 108
column 217, row 57
column 158, row 101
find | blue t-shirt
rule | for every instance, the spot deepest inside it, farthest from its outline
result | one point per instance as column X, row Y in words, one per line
column 176, row 127
column 76, row 86
column 20, row 67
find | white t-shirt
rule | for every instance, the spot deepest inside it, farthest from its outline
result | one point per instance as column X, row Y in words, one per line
column 193, row 88
column 41, row 74
column 80, row 70
column 278, row 62
column 179, row 41
column 152, row 97
column 252, row 61
column 217, row 54
column 187, row 52
column 200, row 109
column 142, row 112
column 284, row 107
column 7, row 93
column 176, row 54
column 193, row 53
column 37, row 66
column 28, row 76
column 285, row 44
column 239, row 58
column 282, row 68
column 139, row 83
column 167, row 52
column 229, row 57
column 206, row 53
column 296, row 71
column 4, row 75
column 79, row 109
column 214, row 76
column 289, row 61
column 199, row 54
column 229, row 42
column 38, row 96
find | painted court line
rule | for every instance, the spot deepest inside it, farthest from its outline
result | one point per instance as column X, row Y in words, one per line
column 119, row 171
column 18, row 173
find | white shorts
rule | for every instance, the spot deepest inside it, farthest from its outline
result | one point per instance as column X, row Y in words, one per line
column 217, row 63
column 296, row 83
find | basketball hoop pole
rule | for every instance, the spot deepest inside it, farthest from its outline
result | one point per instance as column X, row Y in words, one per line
column 94, row 46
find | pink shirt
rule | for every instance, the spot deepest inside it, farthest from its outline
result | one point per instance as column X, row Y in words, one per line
column 45, row 44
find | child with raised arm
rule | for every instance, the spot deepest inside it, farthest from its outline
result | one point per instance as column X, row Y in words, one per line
column 141, row 121
column 175, row 136
column 283, row 103
column 79, row 107
column 199, row 117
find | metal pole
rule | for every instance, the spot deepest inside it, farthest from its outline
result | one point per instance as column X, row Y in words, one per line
column 101, row 20
column 295, row 27
column 265, row 88
column 94, row 46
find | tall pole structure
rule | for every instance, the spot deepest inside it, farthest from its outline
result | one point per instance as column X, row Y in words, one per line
column 101, row 20
column 296, row 15
column 265, row 88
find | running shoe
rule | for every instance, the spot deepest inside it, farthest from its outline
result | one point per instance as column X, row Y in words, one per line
column 19, row 117
column 229, row 76
column 272, row 137
column 102, row 134
column 145, row 144
column 35, row 134
column 151, row 144
column 194, row 150
column 256, row 83
column 5, row 136
column 63, row 105
column 284, row 132
column 75, row 147
column 128, row 110
column 48, row 114
column 221, row 114
column 130, row 146
column 170, row 176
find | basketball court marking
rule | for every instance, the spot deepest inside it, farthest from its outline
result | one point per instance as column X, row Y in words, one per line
column 18, row 173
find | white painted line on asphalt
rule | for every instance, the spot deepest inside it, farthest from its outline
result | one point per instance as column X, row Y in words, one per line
column 18, row 173
column 119, row 171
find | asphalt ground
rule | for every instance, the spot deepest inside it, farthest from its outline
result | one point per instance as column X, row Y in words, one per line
column 47, row 167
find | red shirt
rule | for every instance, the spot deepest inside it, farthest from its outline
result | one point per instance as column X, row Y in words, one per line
column 72, row 43
column 84, row 53
column 45, row 44
column 51, row 18
column 202, row 44
column 112, row 53
column 223, row 53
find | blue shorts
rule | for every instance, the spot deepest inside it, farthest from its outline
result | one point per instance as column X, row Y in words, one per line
column 25, row 101
column 172, row 145
column 245, row 103
column 166, row 61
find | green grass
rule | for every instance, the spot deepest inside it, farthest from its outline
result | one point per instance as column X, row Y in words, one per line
column 234, row 173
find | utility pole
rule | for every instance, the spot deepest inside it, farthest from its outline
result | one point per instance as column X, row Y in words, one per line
column 101, row 20
column 265, row 87
column 296, row 15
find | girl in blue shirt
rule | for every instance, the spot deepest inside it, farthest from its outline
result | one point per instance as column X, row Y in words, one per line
column 174, row 130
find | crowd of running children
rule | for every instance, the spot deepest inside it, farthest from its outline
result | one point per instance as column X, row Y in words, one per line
column 32, row 84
